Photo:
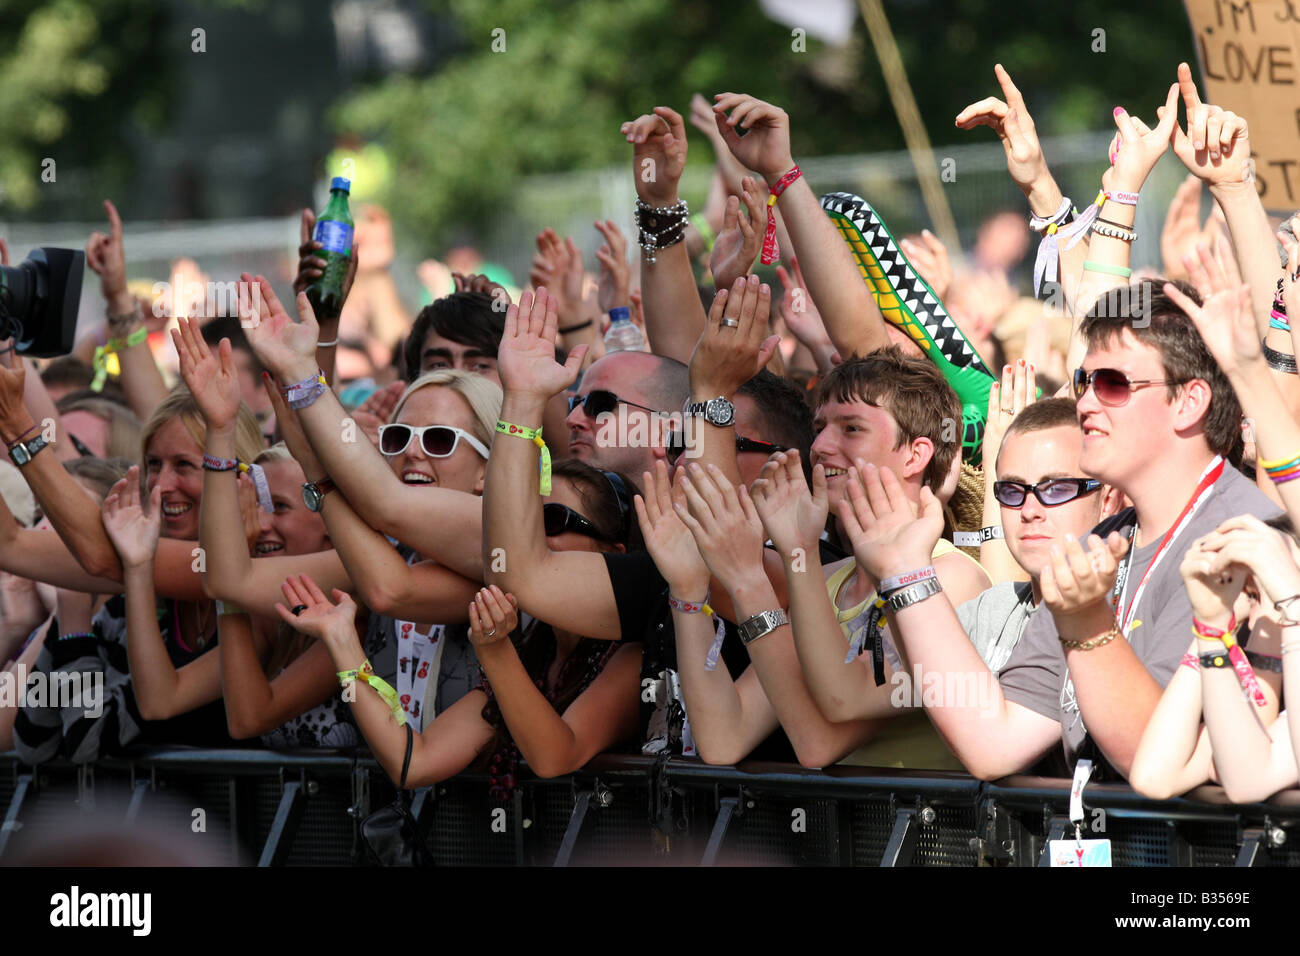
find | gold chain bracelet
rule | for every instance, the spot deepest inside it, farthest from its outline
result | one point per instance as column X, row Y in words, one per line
column 1091, row 642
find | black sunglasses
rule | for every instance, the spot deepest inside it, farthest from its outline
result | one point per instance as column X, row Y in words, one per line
column 558, row 518
column 1111, row 386
column 1049, row 491
column 600, row 402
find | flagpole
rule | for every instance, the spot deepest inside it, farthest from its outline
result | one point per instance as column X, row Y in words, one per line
column 909, row 118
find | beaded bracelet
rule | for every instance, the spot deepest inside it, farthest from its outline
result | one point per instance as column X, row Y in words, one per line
column 660, row 227
column 99, row 362
column 1126, row 235
column 75, row 634
column 384, row 689
column 770, row 250
column 720, row 629
column 533, row 435
column 299, row 395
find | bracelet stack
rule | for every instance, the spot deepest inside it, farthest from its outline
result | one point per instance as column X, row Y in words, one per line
column 299, row 395
column 770, row 251
column 1231, row 655
column 1046, row 262
column 212, row 463
column 1280, row 470
column 660, row 227
column 1279, row 361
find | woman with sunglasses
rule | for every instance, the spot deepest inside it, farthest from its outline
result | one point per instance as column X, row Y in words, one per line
column 391, row 582
column 554, row 697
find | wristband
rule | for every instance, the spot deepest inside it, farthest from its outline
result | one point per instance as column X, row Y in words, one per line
column 228, row 607
column 701, row 224
column 1205, row 632
column 533, row 435
column 299, row 395
column 384, row 689
column 1280, row 470
column 1265, row 662
column 23, row 436
column 1213, row 660
column 891, row 584
column 1113, row 232
column 99, row 362
column 973, row 539
column 212, row 463
column 720, row 629
column 75, row 634
column 1122, row 271
column 1234, row 656
column 770, row 251
column 577, row 328
column 327, row 345
column 1058, row 219
column 1124, row 199
column 1278, row 320
column 1192, row 661
column 1091, row 643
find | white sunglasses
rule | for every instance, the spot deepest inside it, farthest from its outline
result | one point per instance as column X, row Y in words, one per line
column 437, row 441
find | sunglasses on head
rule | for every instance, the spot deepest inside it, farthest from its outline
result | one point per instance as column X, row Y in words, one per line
column 1111, row 386
column 600, row 402
column 1049, row 491
column 558, row 518
column 437, row 441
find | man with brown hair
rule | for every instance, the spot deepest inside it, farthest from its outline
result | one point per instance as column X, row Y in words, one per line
column 1157, row 421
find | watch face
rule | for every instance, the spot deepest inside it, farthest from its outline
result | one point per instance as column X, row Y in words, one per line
column 311, row 496
column 720, row 412
column 20, row 454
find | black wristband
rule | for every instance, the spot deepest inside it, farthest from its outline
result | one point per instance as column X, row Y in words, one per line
column 1280, row 360
column 577, row 328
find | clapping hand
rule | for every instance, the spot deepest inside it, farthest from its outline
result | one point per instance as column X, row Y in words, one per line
column 890, row 535
column 132, row 527
column 741, row 237
column 725, row 525
column 793, row 516
column 210, row 376
column 668, row 540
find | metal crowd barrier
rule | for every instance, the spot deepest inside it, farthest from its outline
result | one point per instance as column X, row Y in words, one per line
column 304, row 808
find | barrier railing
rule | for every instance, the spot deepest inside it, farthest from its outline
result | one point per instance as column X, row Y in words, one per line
column 304, row 808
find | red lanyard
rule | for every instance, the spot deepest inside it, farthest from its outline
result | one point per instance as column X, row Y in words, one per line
column 1208, row 478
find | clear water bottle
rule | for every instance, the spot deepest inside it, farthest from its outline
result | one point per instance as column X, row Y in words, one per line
column 623, row 335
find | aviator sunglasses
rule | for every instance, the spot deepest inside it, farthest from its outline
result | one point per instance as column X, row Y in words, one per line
column 1111, row 386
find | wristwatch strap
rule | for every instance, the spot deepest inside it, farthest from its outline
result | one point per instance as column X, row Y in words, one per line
column 913, row 594
column 24, row 451
column 762, row 624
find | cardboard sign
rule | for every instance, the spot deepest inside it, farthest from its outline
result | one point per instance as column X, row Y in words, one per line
column 1249, row 54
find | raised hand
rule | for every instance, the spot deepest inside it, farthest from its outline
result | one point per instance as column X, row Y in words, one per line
column 493, row 614
column 1183, row 230
column 105, row 256
column 1141, row 148
column 311, row 266
column 735, row 343
column 726, row 528
column 668, row 540
column 929, row 256
column 800, row 315
column 1007, row 399
column 1010, row 119
column 526, row 356
column 793, row 516
column 211, row 376
column 1225, row 324
column 741, row 238
column 377, row 409
column 1215, row 148
column 1211, row 590
column 1268, row 554
column 132, row 527
column 765, row 147
column 14, row 417
column 658, row 154
column 330, row 621
column 286, row 347
column 615, row 274
column 890, row 535
column 1076, row 584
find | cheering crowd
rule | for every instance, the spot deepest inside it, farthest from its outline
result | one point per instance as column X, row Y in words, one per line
column 893, row 515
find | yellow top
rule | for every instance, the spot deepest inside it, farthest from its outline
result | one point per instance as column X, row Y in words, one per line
column 910, row 740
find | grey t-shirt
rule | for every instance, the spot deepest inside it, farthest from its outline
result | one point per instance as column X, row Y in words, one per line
column 1036, row 676
column 995, row 620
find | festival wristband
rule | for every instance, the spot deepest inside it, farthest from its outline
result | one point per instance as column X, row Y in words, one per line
column 1192, row 661
column 973, row 539
column 384, row 689
column 100, row 360
column 1122, row 271
column 533, row 435
column 720, row 629
column 1124, row 199
column 212, row 463
column 701, row 224
column 1205, row 632
column 770, row 251
column 1235, row 655
column 301, row 394
column 891, row 584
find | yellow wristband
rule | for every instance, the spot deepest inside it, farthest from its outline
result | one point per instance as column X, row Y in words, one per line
column 533, row 435
column 384, row 689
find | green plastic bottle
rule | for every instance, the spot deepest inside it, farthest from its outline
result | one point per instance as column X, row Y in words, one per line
column 334, row 232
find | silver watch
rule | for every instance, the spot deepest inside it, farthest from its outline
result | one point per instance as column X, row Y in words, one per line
column 716, row 411
column 913, row 594
column 761, row 625
column 24, row 451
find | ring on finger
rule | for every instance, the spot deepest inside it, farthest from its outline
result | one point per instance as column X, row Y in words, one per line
column 489, row 633
column 298, row 609
column 730, row 322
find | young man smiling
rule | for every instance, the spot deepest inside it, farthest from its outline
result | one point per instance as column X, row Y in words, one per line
column 1158, row 419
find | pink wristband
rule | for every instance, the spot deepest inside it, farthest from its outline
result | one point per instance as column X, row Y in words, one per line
column 1124, row 199
column 1192, row 661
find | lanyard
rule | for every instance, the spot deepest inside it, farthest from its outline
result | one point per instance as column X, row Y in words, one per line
column 1124, row 618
